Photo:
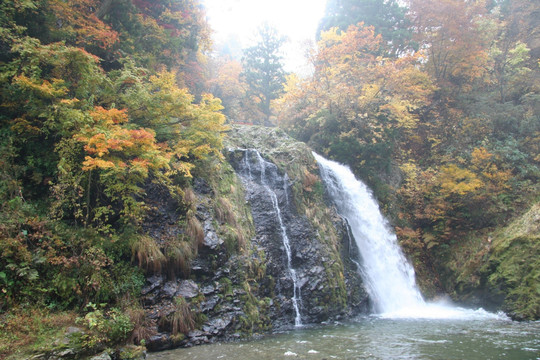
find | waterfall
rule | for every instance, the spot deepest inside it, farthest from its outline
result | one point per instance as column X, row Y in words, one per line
column 388, row 276
column 261, row 166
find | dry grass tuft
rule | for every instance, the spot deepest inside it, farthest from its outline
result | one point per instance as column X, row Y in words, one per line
column 190, row 198
column 195, row 233
column 142, row 326
column 181, row 320
column 149, row 256
column 311, row 212
column 309, row 180
column 224, row 211
column 241, row 239
column 179, row 255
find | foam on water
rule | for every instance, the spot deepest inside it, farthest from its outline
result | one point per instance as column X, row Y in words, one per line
column 442, row 311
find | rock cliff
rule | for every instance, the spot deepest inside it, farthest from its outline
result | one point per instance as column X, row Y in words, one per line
column 244, row 279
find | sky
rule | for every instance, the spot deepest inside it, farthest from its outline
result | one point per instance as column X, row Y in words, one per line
column 238, row 20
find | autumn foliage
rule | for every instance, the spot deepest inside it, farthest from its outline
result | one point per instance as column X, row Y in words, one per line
column 443, row 132
column 94, row 108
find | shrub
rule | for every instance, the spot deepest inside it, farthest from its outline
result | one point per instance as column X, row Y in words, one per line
column 105, row 327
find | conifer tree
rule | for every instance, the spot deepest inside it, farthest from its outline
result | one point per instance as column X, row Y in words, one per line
column 263, row 69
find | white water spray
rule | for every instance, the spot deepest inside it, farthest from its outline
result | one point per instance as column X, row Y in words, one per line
column 388, row 276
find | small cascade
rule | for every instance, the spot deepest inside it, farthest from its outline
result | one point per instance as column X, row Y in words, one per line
column 286, row 188
column 388, row 276
column 261, row 167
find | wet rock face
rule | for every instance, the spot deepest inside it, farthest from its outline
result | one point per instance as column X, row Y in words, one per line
column 221, row 313
column 267, row 193
column 308, row 256
column 207, row 290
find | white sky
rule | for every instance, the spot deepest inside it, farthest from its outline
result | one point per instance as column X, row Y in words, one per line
column 239, row 19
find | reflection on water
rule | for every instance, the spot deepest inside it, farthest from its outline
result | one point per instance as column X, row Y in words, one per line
column 379, row 338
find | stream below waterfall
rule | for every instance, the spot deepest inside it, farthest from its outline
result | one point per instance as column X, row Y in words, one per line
column 374, row 337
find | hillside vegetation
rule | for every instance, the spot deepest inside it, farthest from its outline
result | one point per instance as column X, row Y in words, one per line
column 99, row 102
column 106, row 117
column 440, row 115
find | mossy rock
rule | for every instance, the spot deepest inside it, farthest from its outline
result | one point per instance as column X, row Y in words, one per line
column 514, row 266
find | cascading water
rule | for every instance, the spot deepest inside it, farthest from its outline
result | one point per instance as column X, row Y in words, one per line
column 261, row 166
column 388, row 276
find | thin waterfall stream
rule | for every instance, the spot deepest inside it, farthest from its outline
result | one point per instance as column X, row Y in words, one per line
column 262, row 165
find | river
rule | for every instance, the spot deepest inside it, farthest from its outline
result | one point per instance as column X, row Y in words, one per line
column 373, row 337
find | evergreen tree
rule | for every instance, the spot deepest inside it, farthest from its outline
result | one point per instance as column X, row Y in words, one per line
column 263, row 69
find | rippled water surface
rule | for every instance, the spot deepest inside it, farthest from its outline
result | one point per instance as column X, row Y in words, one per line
column 380, row 338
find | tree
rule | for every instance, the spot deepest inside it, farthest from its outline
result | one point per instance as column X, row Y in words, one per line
column 521, row 22
column 386, row 16
column 76, row 19
column 263, row 69
column 511, row 55
column 94, row 112
column 359, row 108
column 456, row 48
column 227, row 83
